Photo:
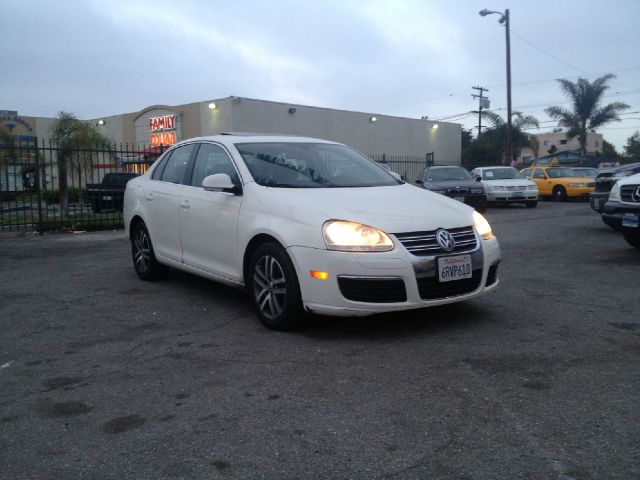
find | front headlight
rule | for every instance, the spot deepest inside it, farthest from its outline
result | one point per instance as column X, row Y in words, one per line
column 355, row 237
column 482, row 226
column 576, row 185
column 615, row 193
column 498, row 188
column 477, row 190
column 532, row 187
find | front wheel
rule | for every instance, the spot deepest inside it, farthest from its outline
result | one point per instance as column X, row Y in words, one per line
column 559, row 193
column 144, row 258
column 632, row 240
column 273, row 287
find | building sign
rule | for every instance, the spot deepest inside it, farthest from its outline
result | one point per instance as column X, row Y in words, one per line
column 162, row 130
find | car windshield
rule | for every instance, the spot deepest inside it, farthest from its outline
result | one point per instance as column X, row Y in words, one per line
column 560, row 172
column 311, row 165
column 505, row 173
column 446, row 173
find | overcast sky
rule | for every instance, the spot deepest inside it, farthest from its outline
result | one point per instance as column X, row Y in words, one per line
column 405, row 57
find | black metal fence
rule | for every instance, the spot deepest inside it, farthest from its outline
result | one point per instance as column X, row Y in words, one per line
column 33, row 197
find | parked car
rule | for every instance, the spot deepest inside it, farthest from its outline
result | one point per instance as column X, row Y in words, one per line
column 585, row 172
column 457, row 183
column 506, row 185
column 558, row 182
column 605, row 180
column 623, row 208
column 109, row 194
column 305, row 225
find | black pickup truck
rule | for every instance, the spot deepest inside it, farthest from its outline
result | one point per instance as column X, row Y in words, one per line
column 109, row 194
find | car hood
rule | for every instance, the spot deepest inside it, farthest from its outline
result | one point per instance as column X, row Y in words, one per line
column 394, row 209
column 508, row 182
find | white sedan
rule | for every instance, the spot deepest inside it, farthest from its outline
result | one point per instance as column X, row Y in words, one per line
column 305, row 225
column 506, row 185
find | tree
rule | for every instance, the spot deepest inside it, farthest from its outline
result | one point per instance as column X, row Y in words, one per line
column 75, row 141
column 609, row 151
column 632, row 148
column 519, row 138
column 585, row 114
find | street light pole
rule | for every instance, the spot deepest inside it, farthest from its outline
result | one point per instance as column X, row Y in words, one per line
column 504, row 18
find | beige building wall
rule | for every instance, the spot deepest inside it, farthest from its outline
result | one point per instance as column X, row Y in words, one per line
column 562, row 144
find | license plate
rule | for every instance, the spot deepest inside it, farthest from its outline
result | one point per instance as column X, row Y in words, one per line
column 518, row 194
column 630, row 220
column 454, row 268
column 106, row 198
column 460, row 199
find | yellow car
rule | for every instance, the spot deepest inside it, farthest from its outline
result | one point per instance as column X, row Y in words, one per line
column 559, row 182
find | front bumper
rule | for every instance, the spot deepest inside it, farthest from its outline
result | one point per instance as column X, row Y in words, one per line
column 512, row 197
column 389, row 269
column 475, row 200
column 614, row 212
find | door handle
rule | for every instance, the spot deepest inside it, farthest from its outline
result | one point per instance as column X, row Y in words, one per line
column 185, row 204
column 149, row 196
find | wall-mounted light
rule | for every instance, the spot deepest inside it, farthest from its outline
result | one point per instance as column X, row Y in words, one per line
column 434, row 126
column 292, row 110
column 100, row 122
column 373, row 119
column 212, row 106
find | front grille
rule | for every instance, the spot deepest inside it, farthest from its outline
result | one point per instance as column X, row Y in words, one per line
column 517, row 188
column 373, row 290
column 431, row 289
column 458, row 191
column 424, row 243
column 626, row 193
column 492, row 276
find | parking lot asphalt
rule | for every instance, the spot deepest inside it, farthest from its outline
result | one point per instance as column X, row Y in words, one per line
column 105, row 376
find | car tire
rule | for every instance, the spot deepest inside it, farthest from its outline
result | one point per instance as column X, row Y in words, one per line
column 632, row 240
column 559, row 193
column 274, row 289
column 531, row 204
column 144, row 258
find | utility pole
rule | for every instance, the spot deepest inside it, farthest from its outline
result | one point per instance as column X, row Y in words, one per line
column 483, row 102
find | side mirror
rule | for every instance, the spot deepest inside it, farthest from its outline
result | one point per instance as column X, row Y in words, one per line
column 220, row 182
column 419, row 182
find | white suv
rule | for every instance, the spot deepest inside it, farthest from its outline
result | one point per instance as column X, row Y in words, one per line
column 305, row 225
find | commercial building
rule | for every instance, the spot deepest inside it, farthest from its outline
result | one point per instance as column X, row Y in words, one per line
column 146, row 132
column 558, row 142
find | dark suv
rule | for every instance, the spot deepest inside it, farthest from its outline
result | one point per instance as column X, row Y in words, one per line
column 605, row 180
column 623, row 209
column 457, row 183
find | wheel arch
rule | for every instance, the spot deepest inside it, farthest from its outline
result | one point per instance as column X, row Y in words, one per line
column 137, row 219
column 252, row 246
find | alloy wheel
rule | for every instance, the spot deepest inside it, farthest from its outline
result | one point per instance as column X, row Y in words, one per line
column 269, row 287
column 142, row 251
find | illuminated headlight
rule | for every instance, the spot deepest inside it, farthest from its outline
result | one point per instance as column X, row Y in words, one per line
column 615, row 193
column 477, row 190
column 498, row 188
column 482, row 226
column 577, row 185
column 355, row 237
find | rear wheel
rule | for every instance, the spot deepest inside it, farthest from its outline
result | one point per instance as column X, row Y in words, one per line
column 273, row 287
column 144, row 258
column 559, row 193
column 632, row 240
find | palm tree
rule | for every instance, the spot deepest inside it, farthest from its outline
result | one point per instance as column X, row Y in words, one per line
column 585, row 114
column 75, row 141
column 519, row 138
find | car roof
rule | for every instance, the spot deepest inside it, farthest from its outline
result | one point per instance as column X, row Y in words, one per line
column 249, row 137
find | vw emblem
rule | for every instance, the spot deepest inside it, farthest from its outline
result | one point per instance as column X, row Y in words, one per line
column 635, row 196
column 445, row 240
